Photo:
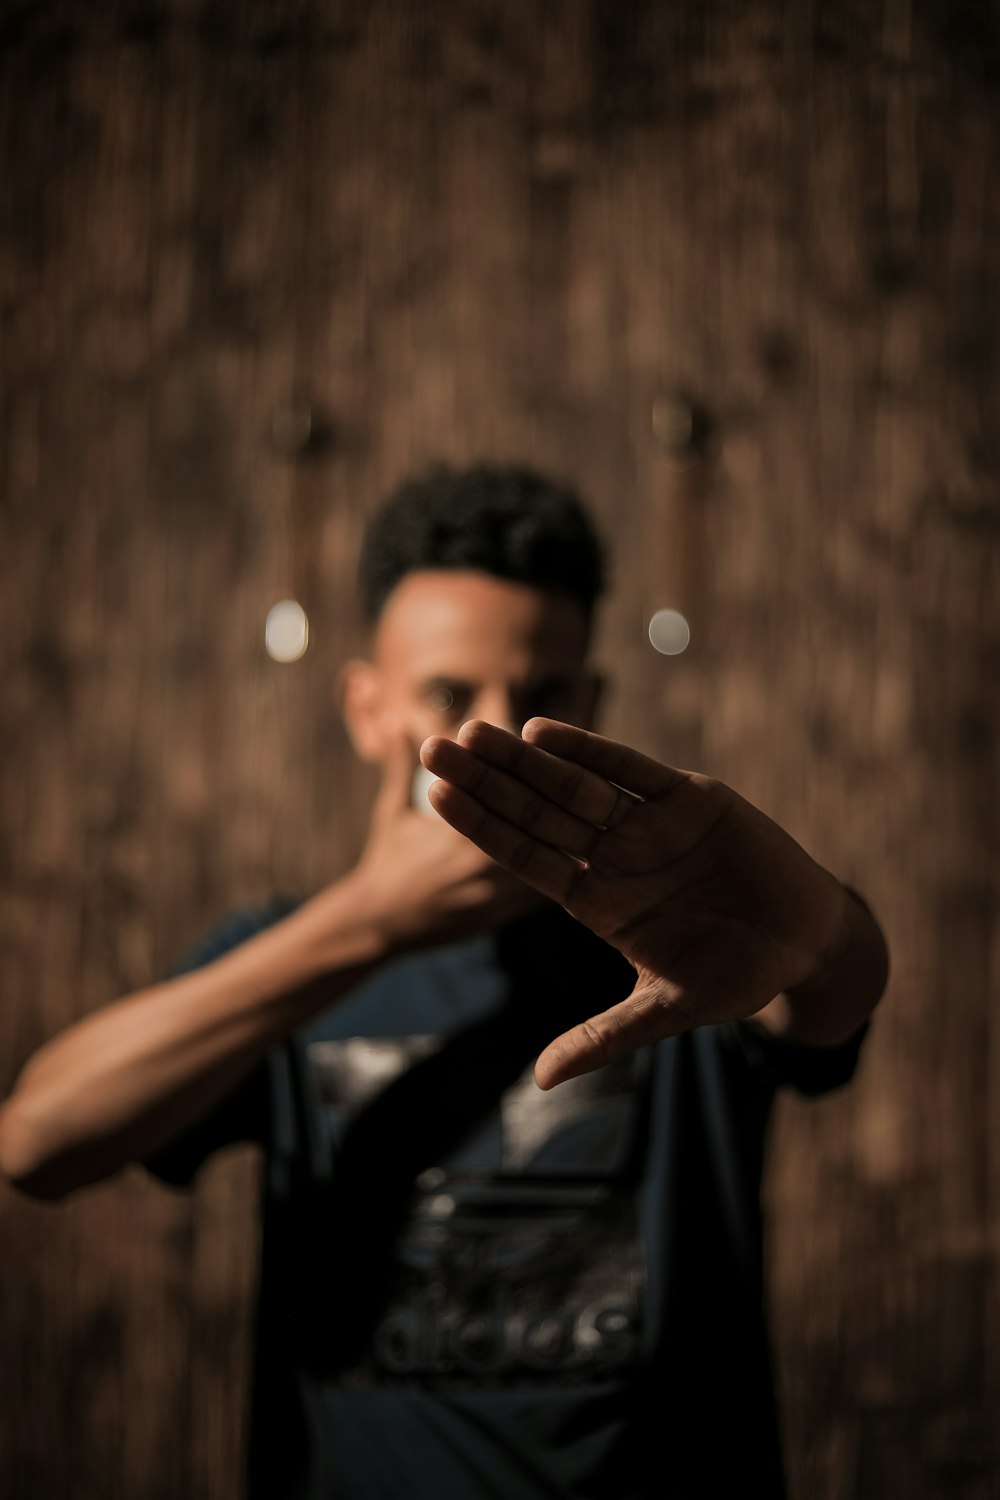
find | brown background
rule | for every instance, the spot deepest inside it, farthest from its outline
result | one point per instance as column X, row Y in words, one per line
column 510, row 229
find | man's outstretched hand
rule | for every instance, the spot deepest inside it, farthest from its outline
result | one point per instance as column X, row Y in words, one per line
column 715, row 906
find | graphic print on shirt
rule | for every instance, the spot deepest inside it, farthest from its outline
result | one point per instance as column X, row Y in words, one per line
column 522, row 1259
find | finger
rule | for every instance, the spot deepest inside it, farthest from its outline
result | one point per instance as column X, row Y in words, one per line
column 618, row 763
column 515, row 801
column 644, row 1017
column 547, row 870
column 576, row 790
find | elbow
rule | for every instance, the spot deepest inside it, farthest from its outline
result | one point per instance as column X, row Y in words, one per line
column 21, row 1162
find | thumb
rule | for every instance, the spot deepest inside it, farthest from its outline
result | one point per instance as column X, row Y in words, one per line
column 398, row 766
column 647, row 1015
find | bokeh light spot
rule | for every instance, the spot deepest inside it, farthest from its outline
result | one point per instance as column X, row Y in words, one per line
column 669, row 632
column 286, row 634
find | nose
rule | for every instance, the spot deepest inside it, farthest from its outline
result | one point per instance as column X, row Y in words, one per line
column 495, row 707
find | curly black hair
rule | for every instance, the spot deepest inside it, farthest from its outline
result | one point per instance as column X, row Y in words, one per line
column 502, row 519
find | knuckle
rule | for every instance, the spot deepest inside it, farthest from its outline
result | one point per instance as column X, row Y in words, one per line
column 532, row 812
column 569, row 784
column 519, row 856
column 475, row 773
column 599, row 1040
column 573, row 890
column 587, row 841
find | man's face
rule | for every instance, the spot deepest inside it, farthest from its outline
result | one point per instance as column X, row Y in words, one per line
column 451, row 646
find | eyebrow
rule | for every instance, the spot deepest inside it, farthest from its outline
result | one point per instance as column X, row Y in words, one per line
column 550, row 679
column 441, row 679
column 554, row 679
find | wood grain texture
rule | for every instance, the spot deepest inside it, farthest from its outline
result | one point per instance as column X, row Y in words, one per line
column 473, row 229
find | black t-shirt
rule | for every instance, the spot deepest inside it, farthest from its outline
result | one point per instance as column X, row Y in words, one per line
column 473, row 1290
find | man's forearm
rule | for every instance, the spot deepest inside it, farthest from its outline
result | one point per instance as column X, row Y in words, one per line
column 829, row 1007
column 131, row 1076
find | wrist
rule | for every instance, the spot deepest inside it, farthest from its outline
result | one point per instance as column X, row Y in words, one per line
column 854, row 970
column 842, row 944
column 859, row 947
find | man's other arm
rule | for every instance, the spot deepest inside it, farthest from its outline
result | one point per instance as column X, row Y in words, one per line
column 130, row 1077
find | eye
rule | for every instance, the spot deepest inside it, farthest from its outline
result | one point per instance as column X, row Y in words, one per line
column 449, row 698
column 440, row 697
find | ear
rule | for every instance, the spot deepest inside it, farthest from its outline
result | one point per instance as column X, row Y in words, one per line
column 359, row 688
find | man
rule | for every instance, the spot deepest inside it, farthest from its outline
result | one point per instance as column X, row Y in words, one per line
column 473, row 1286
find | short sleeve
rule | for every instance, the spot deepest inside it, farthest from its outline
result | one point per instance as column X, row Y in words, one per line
column 244, row 1113
column 808, row 1070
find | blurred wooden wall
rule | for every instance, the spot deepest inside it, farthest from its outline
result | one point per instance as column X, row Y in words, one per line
column 566, row 233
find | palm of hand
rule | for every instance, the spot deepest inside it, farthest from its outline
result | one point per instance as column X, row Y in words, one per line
column 716, row 907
